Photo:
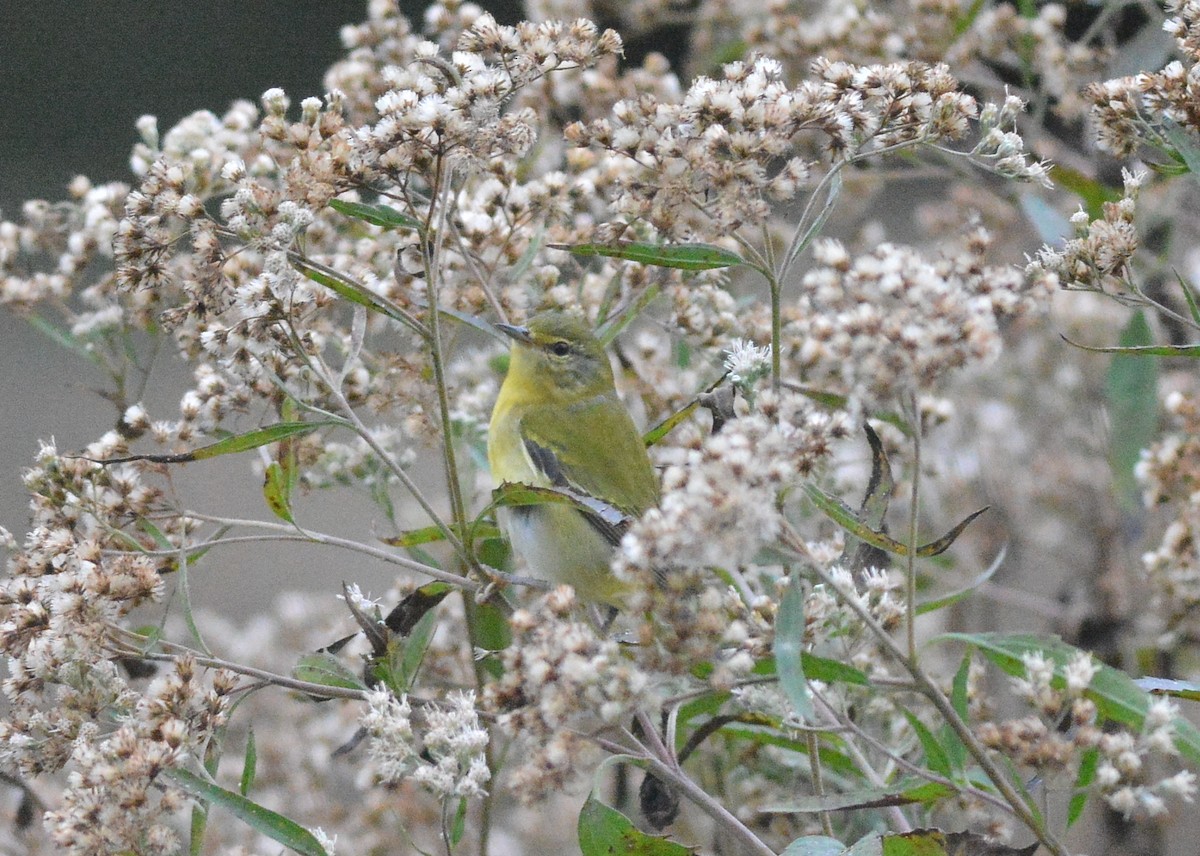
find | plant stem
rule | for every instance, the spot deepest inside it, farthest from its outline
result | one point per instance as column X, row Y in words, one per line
column 910, row 570
column 818, row 783
column 289, row 533
column 434, row 233
column 751, row 844
column 929, row 688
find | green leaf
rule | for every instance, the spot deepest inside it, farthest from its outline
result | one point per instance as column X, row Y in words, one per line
column 966, row 19
column 788, row 649
column 229, row 445
column 376, row 215
column 604, row 831
column 431, row 534
column 398, row 669
column 1185, row 147
column 679, row 256
column 275, row 826
column 1189, row 294
column 327, row 670
column 354, row 291
column 955, row 597
column 669, row 424
column 511, row 494
column 64, row 338
column 1132, row 393
column 1091, row 192
column 1114, row 693
column 848, row 519
column 815, row 845
column 1051, row 226
column 249, row 764
column 1087, row 771
column 833, row 671
column 936, row 758
column 1139, row 350
column 459, row 825
column 277, row 490
column 614, row 326
column 904, row 792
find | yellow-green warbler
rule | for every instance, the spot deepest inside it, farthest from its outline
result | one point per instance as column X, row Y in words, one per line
column 558, row 423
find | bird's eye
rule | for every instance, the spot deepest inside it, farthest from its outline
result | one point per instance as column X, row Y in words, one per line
column 560, row 349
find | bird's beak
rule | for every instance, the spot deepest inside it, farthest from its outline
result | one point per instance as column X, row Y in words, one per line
column 521, row 334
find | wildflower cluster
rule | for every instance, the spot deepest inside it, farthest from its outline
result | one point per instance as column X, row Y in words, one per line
column 1098, row 258
column 561, row 681
column 336, row 263
column 717, row 159
column 1169, row 471
column 1120, row 774
column 1153, row 108
column 892, row 321
column 452, row 763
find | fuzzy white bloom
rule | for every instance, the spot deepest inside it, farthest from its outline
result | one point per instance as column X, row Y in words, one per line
column 747, row 362
column 1079, row 673
column 387, row 721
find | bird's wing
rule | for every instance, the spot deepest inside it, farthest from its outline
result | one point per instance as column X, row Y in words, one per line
column 612, row 476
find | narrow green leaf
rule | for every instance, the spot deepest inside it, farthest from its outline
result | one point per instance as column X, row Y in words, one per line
column 1093, row 193
column 936, row 758
column 788, row 649
column 845, row 516
column 227, row 446
column 1131, row 390
column 953, row 598
column 1185, row 147
column 415, row 605
column 669, row 424
column 197, row 827
column 459, row 825
column 254, row 439
column 848, row 519
column 376, row 215
column 277, row 491
column 615, row 326
column 249, row 764
column 904, row 792
column 679, row 256
column 398, row 669
column 511, row 494
column 1115, row 694
column 604, row 831
column 1192, row 350
column 934, row 548
column 271, row 824
column 1189, row 294
column 1087, row 772
column 966, row 19
column 833, row 671
column 431, row 534
column 62, row 337
column 327, row 670
column 354, row 291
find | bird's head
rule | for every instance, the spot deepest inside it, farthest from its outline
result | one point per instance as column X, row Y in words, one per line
column 555, row 357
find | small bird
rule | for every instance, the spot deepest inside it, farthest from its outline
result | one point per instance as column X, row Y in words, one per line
column 559, row 423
